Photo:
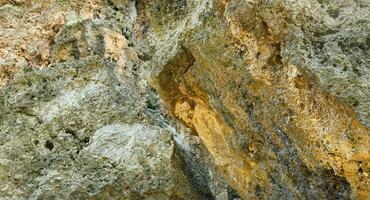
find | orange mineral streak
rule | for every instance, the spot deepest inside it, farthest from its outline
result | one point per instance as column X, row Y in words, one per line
column 325, row 131
column 338, row 140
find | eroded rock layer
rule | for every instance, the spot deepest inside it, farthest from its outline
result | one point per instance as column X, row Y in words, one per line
column 185, row 99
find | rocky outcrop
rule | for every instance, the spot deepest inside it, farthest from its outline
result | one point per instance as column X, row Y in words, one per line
column 185, row 99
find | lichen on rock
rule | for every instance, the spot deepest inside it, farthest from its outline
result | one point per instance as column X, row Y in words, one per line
column 184, row 99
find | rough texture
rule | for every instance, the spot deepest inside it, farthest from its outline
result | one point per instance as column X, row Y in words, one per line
column 185, row 99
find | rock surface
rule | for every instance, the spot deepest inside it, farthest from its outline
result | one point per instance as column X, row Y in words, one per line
column 185, row 99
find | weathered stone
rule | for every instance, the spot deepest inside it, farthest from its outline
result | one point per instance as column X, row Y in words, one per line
column 184, row 99
column 73, row 132
column 267, row 120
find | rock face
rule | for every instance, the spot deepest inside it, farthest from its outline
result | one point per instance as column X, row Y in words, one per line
column 185, row 99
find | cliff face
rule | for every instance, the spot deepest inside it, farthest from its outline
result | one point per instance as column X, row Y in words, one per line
column 185, row 99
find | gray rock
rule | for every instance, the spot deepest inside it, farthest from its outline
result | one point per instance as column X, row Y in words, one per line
column 184, row 99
